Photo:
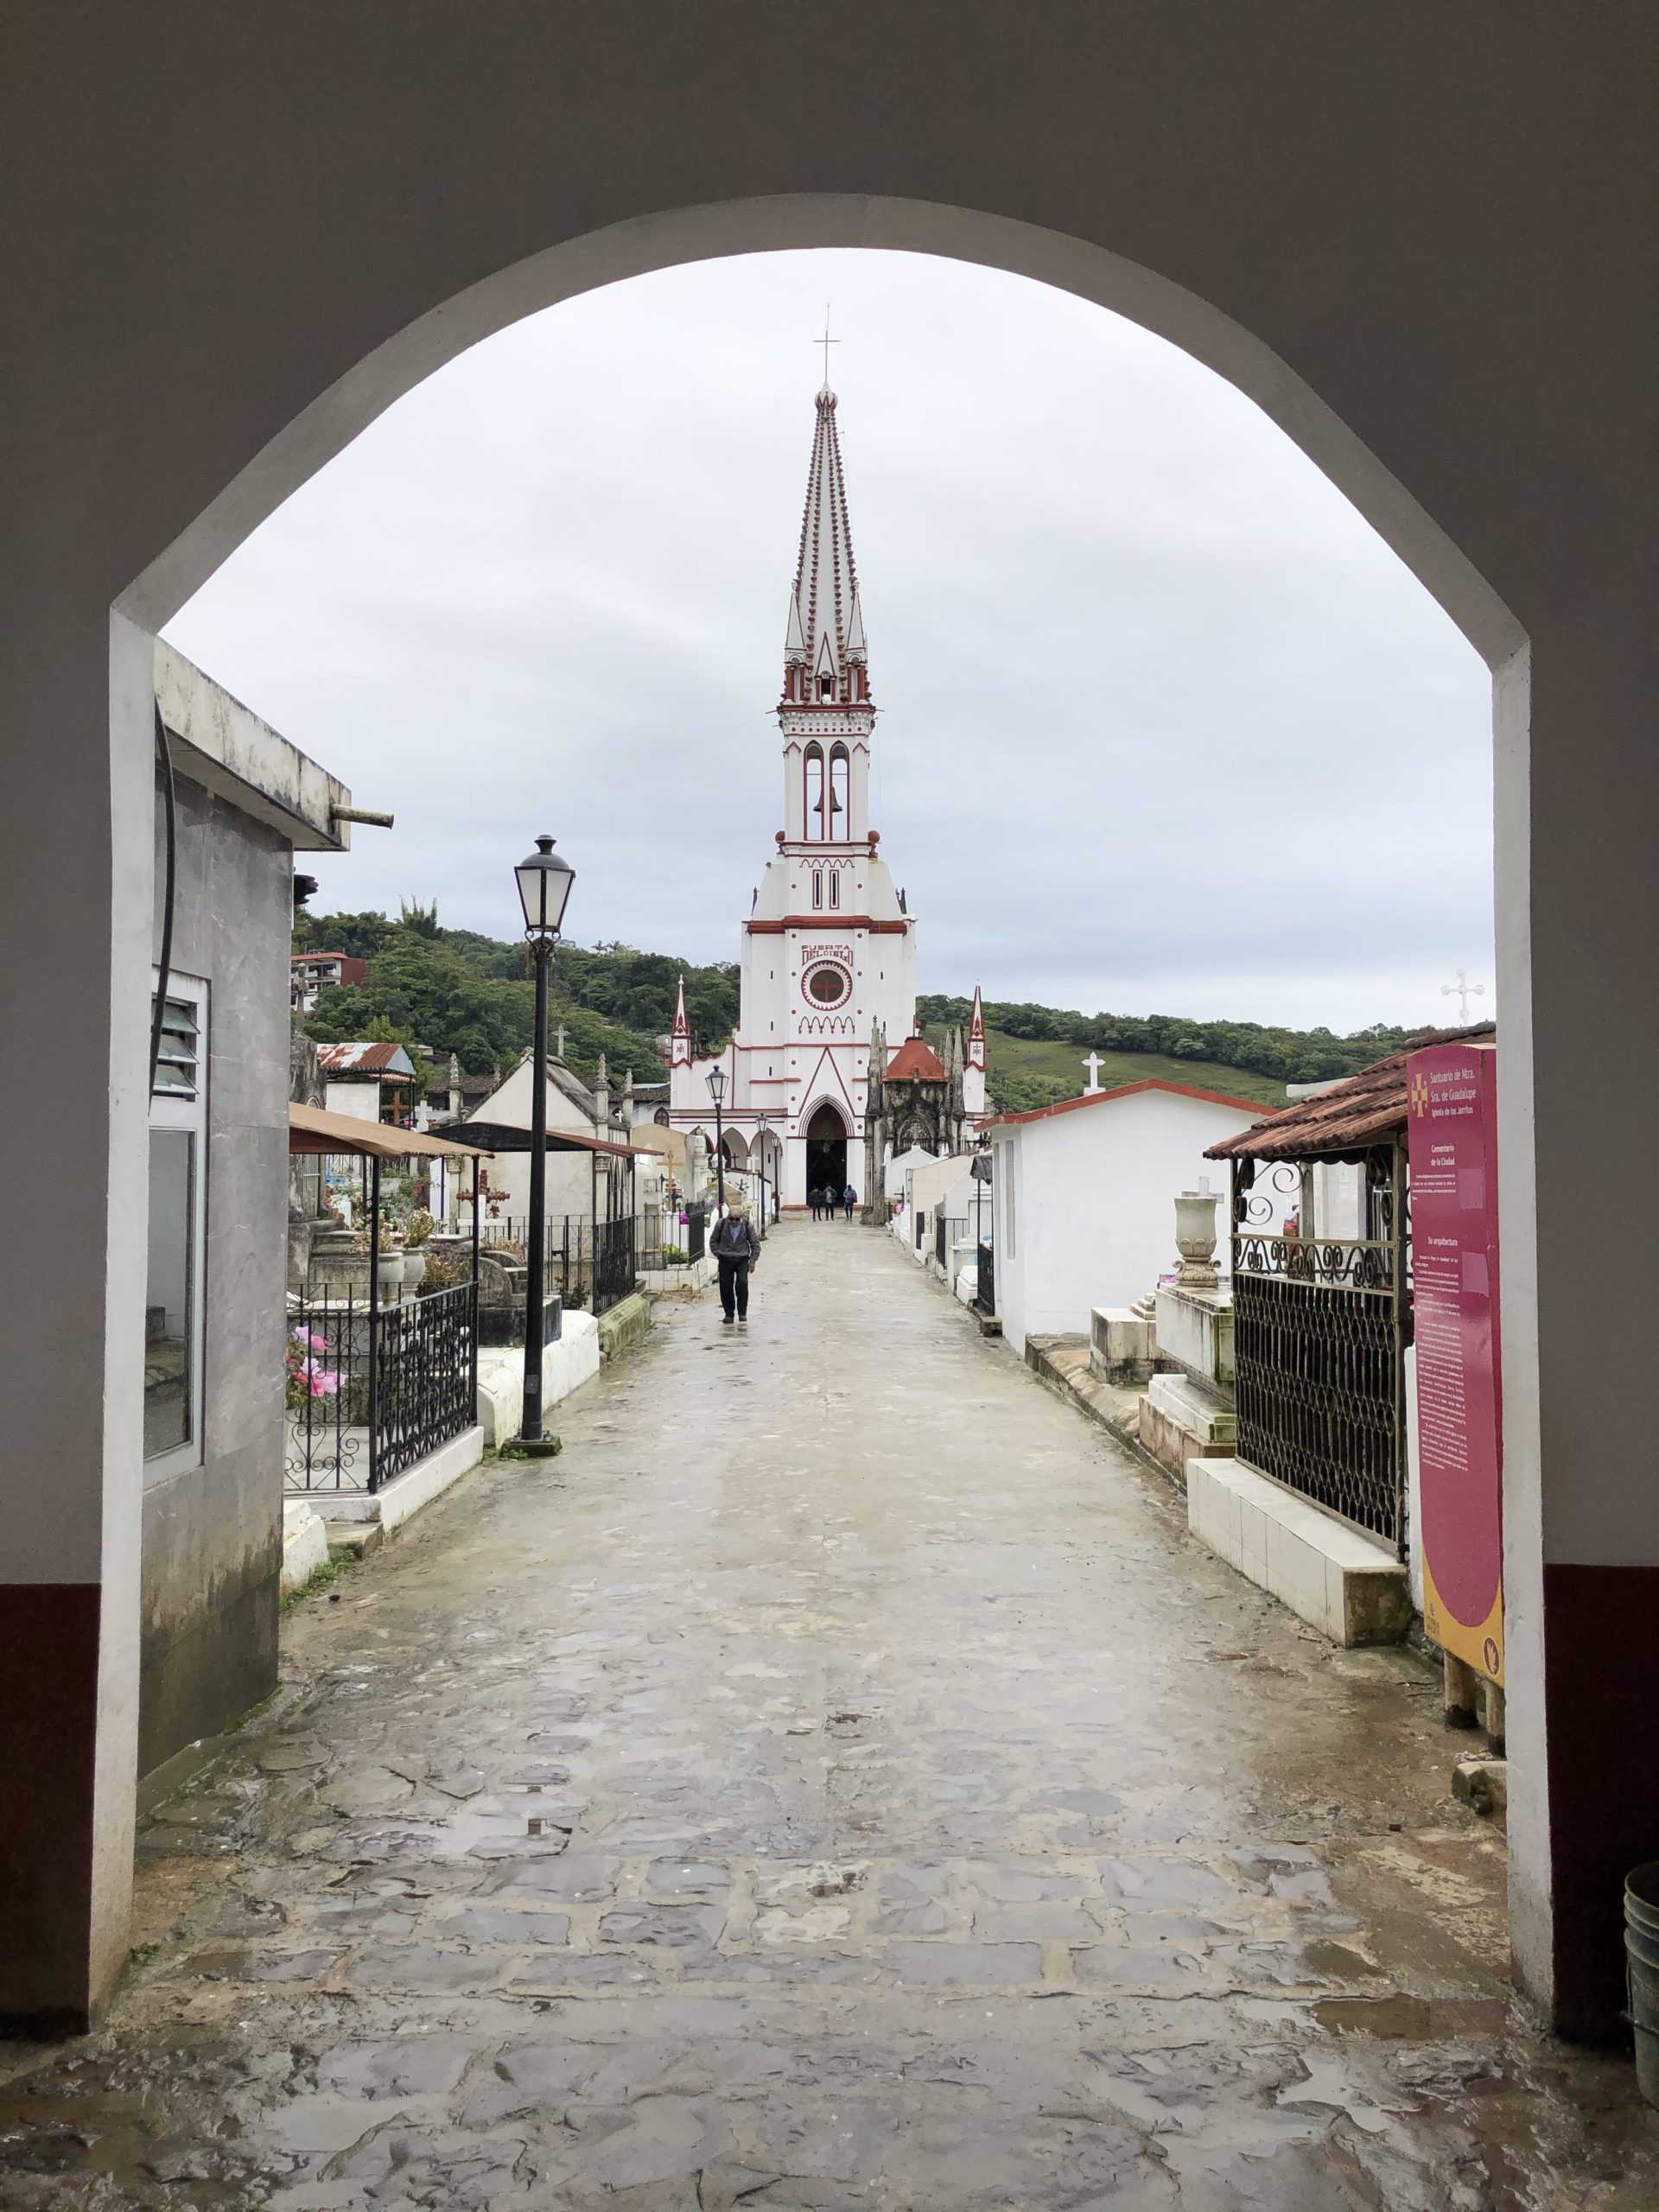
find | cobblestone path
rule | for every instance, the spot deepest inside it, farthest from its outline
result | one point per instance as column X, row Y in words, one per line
column 836, row 1782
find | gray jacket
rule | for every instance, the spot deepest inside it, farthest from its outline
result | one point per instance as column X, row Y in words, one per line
column 735, row 1237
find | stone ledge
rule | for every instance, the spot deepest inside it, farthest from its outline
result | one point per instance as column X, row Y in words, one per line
column 571, row 1360
column 397, row 1501
column 305, row 1543
column 1340, row 1582
column 623, row 1326
column 1177, row 1420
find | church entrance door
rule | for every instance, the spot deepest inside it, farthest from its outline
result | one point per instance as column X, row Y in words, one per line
column 826, row 1150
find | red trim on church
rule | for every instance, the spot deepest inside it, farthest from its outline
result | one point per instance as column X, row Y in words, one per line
column 833, row 923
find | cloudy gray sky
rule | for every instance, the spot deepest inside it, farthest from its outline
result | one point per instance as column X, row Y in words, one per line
column 1157, row 707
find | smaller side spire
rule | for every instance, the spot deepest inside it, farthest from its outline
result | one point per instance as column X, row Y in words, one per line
column 977, row 1032
column 679, row 1054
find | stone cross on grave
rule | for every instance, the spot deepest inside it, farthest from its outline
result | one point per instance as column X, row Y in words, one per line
column 558, row 1042
column 1093, row 1065
column 1463, row 990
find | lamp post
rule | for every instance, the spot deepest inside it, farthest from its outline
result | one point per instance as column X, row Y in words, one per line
column 717, row 1092
column 762, row 1124
column 544, row 882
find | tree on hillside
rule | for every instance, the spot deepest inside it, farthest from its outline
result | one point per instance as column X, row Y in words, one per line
column 359, row 936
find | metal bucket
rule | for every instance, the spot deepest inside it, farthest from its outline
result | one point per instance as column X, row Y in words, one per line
column 1642, row 1972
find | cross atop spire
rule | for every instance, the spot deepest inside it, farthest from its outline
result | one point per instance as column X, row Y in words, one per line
column 826, row 341
column 824, row 643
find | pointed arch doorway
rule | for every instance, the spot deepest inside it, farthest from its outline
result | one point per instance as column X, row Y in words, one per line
column 826, row 1149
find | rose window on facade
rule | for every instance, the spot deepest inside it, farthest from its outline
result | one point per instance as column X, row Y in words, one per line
column 827, row 986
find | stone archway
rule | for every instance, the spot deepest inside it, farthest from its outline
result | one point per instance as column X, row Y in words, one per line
column 1404, row 288
column 826, row 1148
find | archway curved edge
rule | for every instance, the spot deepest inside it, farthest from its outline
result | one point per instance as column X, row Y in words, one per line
column 718, row 230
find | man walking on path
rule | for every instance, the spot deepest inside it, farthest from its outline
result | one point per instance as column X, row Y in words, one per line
column 848, row 1199
column 736, row 1248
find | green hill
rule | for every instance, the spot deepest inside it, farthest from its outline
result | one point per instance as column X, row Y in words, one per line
column 1027, row 1071
column 473, row 995
column 1036, row 1052
column 462, row 993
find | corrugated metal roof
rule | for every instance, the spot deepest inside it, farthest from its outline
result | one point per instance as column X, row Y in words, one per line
column 364, row 1059
column 1368, row 1108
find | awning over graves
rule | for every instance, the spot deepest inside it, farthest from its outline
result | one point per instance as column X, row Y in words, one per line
column 1345, row 1120
column 502, row 1136
column 313, row 1129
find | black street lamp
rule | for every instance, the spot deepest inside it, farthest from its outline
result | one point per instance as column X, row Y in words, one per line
column 762, row 1122
column 717, row 1092
column 544, row 882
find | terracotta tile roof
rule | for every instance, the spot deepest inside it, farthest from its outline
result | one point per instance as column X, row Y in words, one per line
column 915, row 1061
column 1368, row 1108
column 1126, row 1090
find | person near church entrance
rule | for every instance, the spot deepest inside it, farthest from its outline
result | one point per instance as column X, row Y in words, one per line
column 736, row 1246
column 848, row 1200
column 817, row 1197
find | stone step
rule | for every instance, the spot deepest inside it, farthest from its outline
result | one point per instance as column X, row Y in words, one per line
column 1340, row 1582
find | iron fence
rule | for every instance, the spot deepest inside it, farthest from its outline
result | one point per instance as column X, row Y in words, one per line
column 325, row 1444
column 985, row 1291
column 1320, row 1329
column 614, row 1267
column 425, row 1378
column 371, row 1389
column 671, row 1236
column 567, row 1250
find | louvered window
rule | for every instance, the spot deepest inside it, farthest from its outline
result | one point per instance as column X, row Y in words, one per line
column 176, row 1069
column 175, row 1285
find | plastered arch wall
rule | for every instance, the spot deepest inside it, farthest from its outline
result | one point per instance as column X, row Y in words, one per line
column 1090, row 271
column 790, row 223
column 680, row 235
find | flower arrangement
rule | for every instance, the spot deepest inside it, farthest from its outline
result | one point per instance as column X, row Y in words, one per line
column 304, row 1374
column 420, row 1227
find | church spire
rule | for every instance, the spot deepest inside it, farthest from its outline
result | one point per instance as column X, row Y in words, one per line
column 824, row 656
column 680, row 1047
column 977, row 1032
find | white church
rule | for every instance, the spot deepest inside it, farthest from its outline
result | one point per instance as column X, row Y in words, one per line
column 829, row 967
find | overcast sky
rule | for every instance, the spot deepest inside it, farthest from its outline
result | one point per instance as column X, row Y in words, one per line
column 1160, row 714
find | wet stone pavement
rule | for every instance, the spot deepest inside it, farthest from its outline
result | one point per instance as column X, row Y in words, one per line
column 836, row 1782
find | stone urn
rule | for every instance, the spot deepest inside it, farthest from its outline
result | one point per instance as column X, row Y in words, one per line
column 1195, row 1239
column 389, row 1271
column 415, row 1267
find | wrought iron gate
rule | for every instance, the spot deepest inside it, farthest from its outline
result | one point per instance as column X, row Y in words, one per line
column 612, row 1262
column 426, row 1378
column 1319, row 1330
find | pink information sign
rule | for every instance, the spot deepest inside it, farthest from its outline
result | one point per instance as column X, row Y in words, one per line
column 1452, row 1123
